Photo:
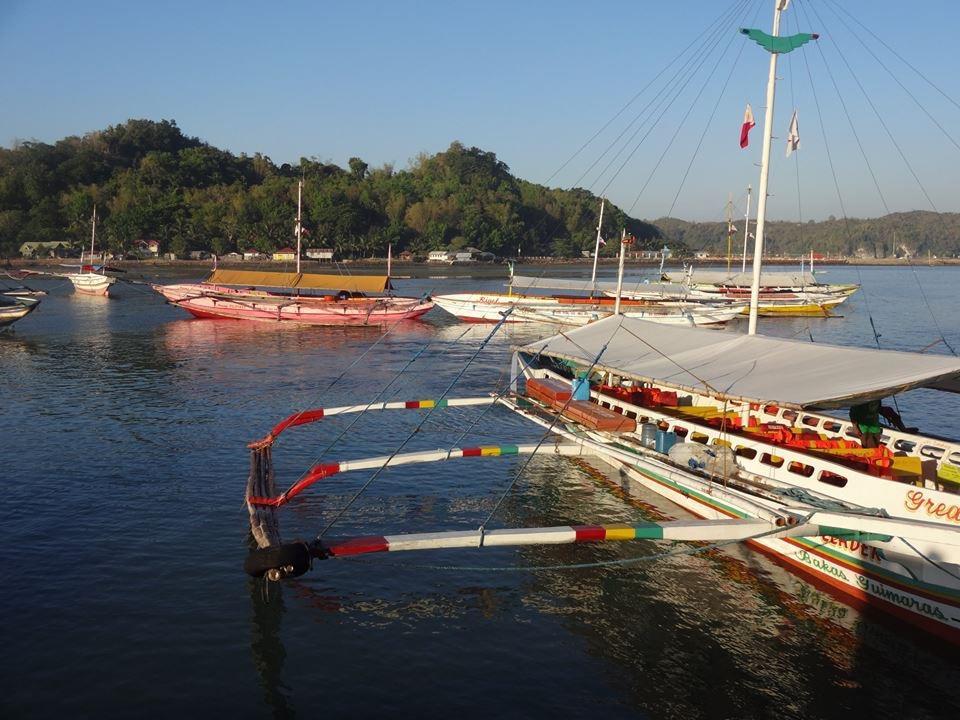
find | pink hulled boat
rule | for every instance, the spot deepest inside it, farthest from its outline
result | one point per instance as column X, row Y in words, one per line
column 279, row 297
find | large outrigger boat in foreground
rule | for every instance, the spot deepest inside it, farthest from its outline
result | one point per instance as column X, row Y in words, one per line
column 734, row 429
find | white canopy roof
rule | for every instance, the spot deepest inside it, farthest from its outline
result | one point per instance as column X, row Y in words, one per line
column 738, row 279
column 757, row 368
column 585, row 286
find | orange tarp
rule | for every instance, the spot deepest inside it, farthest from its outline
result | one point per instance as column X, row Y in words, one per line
column 302, row 281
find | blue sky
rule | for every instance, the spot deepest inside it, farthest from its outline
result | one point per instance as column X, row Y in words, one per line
column 530, row 81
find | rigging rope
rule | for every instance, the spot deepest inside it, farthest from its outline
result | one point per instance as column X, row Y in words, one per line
column 706, row 127
column 545, row 435
column 870, row 167
column 378, row 396
column 450, row 387
column 640, row 92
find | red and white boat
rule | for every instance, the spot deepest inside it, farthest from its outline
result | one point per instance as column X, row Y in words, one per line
column 293, row 297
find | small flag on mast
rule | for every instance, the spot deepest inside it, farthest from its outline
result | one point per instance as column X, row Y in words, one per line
column 745, row 128
column 793, row 137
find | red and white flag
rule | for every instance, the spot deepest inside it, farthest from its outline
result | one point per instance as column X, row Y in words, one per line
column 793, row 137
column 745, row 128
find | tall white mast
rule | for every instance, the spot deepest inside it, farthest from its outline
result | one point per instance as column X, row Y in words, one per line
column 623, row 247
column 778, row 6
column 299, row 217
column 389, row 259
column 596, row 251
column 93, row 237
column 730, row 229
column 746, row 229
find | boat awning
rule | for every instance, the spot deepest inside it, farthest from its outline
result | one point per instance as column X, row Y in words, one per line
column 739, row 279
column 753, row 368
column 301, row 281
column 526, row 282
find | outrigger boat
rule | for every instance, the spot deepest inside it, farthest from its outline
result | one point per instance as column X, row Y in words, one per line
column 732, row 428
column 293, row 297
column 781, row 293
column 16, row 308
column 280, row 297
column 881, row 526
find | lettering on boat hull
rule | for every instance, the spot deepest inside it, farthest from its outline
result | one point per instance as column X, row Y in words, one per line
column 917, row 502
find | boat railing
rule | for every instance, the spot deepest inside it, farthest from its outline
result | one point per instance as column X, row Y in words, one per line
column 795, row 467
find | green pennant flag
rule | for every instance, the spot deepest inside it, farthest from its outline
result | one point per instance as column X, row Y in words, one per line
column 779, row 44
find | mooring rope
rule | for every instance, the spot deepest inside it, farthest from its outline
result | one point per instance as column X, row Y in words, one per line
column 409, row 437
column 543, row 438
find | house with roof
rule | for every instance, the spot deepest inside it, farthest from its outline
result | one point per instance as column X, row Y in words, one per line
column 53, row 248
column 440, row 256
column 147, row 248
column 285, row 255
column 319, row 254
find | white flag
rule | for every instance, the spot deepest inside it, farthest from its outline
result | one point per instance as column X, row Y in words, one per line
column 793, row 137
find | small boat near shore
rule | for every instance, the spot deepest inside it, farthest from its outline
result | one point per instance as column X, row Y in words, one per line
column 91, row 280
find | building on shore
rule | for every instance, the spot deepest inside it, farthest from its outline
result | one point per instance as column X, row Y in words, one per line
column 285, row 255
column 53, row 248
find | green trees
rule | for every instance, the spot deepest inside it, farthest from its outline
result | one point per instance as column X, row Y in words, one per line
column 150, row 181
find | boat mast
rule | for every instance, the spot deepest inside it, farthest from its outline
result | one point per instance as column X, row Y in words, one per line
column 299, row 229
column 778, row 6
column 623, row 246
column 93, row 237
column 596, row 252
column 730, row 229
column 746, row 228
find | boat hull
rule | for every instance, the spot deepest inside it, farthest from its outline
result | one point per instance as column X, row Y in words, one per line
column 476, row 307
column 888, row 574
column 218, row 302
column 92, row 283
column 857, row 572
column 16, row 310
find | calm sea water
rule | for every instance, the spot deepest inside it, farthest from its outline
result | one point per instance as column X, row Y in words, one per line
column 123, row 431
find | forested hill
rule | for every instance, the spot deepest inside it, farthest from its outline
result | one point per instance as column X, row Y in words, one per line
column 915, row 233
column 150, row 181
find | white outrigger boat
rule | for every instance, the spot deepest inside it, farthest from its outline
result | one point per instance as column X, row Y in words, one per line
column 729, row 427
column 781, row 293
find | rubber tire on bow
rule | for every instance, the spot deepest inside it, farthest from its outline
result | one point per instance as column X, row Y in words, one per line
column 291, row 559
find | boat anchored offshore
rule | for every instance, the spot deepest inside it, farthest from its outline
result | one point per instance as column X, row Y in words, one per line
column 292, row 297
column 91, row 280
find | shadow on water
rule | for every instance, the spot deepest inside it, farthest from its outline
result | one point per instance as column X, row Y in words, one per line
column 721, row 634
column 266, row 646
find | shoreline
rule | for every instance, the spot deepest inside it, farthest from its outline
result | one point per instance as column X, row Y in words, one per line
column 313, row 266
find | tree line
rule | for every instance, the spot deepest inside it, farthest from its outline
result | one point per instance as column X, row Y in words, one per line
column 151, row 181
column 905, row 234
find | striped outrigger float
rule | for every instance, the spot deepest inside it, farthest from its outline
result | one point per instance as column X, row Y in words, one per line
column 705, row 530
